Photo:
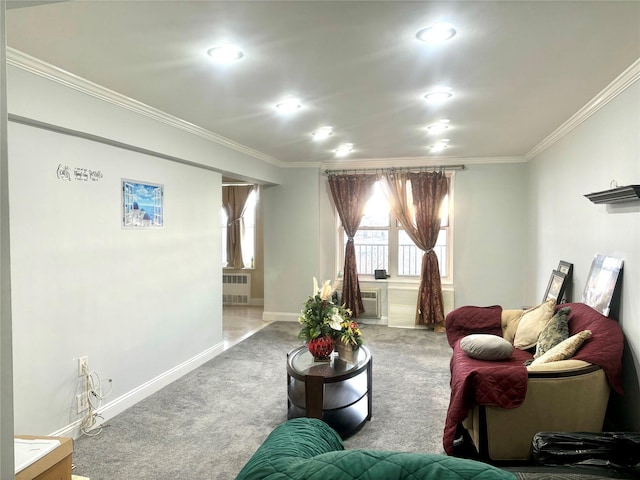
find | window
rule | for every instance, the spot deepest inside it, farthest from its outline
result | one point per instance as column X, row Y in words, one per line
column 248, row 235
column 382, row 243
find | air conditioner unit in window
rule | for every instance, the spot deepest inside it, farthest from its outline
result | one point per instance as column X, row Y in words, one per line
column 371, row 302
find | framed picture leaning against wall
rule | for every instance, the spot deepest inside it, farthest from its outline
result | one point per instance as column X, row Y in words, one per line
column 600, row 289
column 555, row 287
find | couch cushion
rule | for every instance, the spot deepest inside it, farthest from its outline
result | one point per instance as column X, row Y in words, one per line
column 510, row 320
column 308, row 449
column 565, row 349
column 486, row 347
column 532, row 323
column 556, row 331
column 386, row 465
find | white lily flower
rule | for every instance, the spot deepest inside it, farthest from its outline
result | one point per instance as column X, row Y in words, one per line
column 315, row 286
column 335, row 321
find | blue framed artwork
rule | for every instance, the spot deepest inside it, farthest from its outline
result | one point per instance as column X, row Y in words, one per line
column 142, row 204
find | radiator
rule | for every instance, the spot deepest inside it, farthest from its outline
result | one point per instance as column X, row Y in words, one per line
column 236, row 288
column 371, row 302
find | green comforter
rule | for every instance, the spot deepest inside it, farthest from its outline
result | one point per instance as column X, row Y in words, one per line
column 308, row 449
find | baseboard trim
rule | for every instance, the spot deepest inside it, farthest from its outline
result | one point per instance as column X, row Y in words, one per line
column 280, row 316
column 145, row 390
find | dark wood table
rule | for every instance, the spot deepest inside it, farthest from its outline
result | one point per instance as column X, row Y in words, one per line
column 337, row 392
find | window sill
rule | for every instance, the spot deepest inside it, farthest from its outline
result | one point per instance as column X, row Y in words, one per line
column 401, row 280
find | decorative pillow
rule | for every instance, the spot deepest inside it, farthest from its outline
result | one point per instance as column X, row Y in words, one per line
column 486, row 347
column 565, row 349
column 532, row 323
column 556, row 331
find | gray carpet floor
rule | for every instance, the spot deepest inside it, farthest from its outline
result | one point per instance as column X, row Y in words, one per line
column 207, row 424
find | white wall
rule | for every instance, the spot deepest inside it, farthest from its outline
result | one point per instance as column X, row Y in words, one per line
column 137, row 302
column 565, row 225
column 291, row 242
column 145, row 306
column 490, row 236
column 6, row 357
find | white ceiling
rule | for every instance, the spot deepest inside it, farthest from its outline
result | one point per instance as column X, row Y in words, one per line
column 519, row 69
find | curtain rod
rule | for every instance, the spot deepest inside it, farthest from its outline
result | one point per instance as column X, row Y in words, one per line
column 393, row 169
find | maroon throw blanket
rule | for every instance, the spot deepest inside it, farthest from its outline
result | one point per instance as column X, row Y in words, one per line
column 480, row 382
column 469, row 319
column 606, row 344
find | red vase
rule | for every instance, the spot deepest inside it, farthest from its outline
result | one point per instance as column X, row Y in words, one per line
column 320, row 347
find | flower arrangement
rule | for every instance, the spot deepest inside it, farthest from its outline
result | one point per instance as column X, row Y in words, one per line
column 320, row 317
column 350, row 334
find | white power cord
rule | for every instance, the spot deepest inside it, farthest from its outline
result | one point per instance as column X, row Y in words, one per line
column 95, row 395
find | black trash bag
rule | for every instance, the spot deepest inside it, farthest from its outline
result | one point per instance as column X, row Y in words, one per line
column 620, row 450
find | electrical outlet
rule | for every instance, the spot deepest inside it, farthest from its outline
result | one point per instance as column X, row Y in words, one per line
column 82, row 401
column 83, row 365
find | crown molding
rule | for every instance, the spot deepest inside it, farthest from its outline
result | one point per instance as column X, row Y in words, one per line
column 615, row 88
column 301, row 165
column 36, row 66
column 410, row 162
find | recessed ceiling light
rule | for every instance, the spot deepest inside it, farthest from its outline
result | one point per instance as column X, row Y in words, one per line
column 225, row 53
column 437, row 33
column 438, row 127
column 288, row 105
column 439, row 94
column 322, row 133
column 344, row 149
column 440, row 146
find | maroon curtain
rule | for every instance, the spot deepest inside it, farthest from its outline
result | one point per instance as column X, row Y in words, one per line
column 429, row 190
column 234, row 200
column 350, row 194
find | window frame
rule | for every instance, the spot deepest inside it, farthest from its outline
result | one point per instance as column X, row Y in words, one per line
column 393, row 245
column 223, row 227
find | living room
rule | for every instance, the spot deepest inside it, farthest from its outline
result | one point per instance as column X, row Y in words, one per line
column 145, row 306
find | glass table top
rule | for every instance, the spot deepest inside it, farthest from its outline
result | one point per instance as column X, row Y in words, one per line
column 301, row 361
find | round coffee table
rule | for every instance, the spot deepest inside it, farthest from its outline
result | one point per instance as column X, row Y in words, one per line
column 335, row 391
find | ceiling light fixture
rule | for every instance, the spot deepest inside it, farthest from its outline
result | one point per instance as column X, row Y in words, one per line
column 322, row 133
column 439, row 94
column 438, row 127
column 437, row 33
column 440, row 146
column 344, row 149
column 289, row 104
column 225, row 53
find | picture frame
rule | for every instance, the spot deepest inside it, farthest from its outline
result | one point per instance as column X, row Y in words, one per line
column 556, row 286
column 142, row 204
column 600, row 291
column 567, row 269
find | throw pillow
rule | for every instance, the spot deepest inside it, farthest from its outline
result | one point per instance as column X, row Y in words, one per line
column 565, row 349
column 532, row 323
column 486, row 347
column 556, row 331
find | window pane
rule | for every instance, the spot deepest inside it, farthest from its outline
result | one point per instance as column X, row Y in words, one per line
column 376, row 213
column 372, row 250
column 224, row 221
column 441, row 251
column 444, row 212
column 249, row 235
column 410, row 256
